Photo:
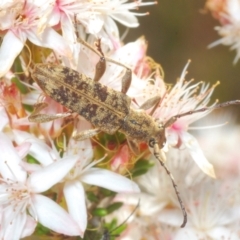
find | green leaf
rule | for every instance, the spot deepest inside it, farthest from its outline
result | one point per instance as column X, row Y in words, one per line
column 114, row 228
column 92, row 197
column 29, row 108
column 111, row 208
column 139, row 172
column 100, row 212
column 31, row 159
column 107, row 193
column 22, row 88
column 141, row 167
column 41, row 230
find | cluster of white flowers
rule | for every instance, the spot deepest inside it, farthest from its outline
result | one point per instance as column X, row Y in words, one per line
column 212, row 205
column 47, row 178
column 228, row 14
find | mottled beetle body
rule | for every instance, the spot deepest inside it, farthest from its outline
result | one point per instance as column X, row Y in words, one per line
column 105, row 108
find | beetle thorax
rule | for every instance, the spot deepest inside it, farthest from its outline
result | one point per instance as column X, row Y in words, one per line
column 140, row 126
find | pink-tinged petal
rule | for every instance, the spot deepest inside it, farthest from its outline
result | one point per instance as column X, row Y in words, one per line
column 39, row 150
column 3, row 118
column 197, row 154
column 10, row 160
column 11, row 46
column 45, row 178
column 120, row 159
column 109, row 180
column 132, row 52
column 51, row 39
column 12, row 224
column 54, row 17
column 52, row 216
column 75, row 198
column 23, row 149
column 29, row 227
column 30, row 167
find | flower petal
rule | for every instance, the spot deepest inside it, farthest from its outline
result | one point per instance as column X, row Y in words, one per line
column 29, row 227
column 10, row 160
column 109, row 180
column 45, row 178
column 68, row 30
column 222, row 233
column 38, row 149
column 197, row 154
column 52, row 216
column 12, row 224
column 11, row 46
column 189, row 233
column 51, row 39
column 3, row 118
column 23, row 149
column 172, row 217
column 75, row 198
column 127, row 19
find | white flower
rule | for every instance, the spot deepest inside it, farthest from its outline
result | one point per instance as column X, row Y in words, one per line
column 158, row 198
column 62, row 15
column 212, row 206
column 82, row 173
column 27, row 21
column 212, row 214
column 225, row 139
column 98, row 19
column 228, row 13
column 22, row 205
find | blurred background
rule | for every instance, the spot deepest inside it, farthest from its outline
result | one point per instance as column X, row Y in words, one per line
column 178, row 30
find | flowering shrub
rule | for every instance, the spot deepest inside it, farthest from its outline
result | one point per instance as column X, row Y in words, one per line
column 56, row 187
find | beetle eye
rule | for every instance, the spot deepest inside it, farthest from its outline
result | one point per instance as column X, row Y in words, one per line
column 151, row 142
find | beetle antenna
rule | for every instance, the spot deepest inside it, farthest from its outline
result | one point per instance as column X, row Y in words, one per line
column 156, row 152
column 217, row 106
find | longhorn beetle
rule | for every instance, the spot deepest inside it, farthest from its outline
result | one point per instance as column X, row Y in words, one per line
column 108, row 110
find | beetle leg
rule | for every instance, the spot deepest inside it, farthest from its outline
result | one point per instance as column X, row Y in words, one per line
column 86, row 134
column 133, row 146
column 151, row 102
column 101, row 65
column 37, row 117
column 127, row 77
